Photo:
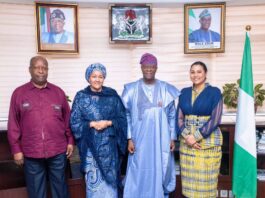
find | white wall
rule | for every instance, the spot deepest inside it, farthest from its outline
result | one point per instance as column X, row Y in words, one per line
column 18, row 45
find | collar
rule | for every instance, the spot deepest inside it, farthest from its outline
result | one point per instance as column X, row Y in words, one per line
column 142, row 81
column 199, row 91
column 31, row 86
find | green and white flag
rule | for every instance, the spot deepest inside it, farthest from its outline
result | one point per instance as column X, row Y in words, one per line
column 244, row 181
column 45, row 19
column 192, row 20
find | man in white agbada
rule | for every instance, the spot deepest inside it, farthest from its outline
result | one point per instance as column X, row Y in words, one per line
column 151, row 133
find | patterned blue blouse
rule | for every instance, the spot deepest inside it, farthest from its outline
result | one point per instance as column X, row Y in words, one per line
column 106, row 145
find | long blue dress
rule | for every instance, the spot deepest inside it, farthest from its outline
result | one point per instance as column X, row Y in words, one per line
column 151, row 126
column 99, row 150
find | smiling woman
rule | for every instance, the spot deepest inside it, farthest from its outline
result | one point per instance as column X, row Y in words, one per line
column 95, row 76
column 198, row 72
column 96, row 80
column 99, row 125
column 199, row 115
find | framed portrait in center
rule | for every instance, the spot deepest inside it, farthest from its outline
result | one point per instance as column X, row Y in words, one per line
column 57, row 28
column 130, row 23
column 204, row 28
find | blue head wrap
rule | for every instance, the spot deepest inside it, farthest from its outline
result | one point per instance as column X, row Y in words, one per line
column 93, row 67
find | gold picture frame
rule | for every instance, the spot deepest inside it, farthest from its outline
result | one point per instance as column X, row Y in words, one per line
column 57, row 28
column 204, row 28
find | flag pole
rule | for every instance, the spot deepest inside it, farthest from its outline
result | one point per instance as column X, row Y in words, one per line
column 244, row 175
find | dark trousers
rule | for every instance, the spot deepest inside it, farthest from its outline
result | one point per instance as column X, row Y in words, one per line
column 37, row 171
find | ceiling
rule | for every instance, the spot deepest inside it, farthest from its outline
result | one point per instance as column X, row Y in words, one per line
column 156, row 3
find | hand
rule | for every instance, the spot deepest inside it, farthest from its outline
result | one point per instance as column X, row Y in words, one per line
column 131, row 147
column 19, row 158
column 190, row 140
column 69, row 150
column 172, row 145
column 100, row 125
column 196, row 146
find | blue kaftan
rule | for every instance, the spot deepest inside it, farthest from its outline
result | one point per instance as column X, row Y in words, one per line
column 151, row 126
column 201, row 35
column 63, row 38
column 99, row 150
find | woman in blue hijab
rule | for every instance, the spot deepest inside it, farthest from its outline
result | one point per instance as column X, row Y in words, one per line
column 99, row 125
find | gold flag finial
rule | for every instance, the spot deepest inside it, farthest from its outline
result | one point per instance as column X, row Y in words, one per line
column 248, row 27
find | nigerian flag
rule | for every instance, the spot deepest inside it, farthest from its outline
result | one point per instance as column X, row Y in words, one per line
column 192, row 20
column 45, row 19
column 244, row 181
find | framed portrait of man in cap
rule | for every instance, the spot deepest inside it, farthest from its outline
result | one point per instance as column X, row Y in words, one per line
column 57, row 28
column 204, row 28
column 130, row 23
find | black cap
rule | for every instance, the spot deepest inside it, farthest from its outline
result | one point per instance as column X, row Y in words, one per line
column 57, row 14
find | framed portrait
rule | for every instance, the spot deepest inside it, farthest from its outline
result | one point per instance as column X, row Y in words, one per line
column 57, row 28
column 204, row 28
column 130, row 23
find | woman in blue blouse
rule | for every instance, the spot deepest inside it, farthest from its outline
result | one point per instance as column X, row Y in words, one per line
column 199, row 115
column 99, row 125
